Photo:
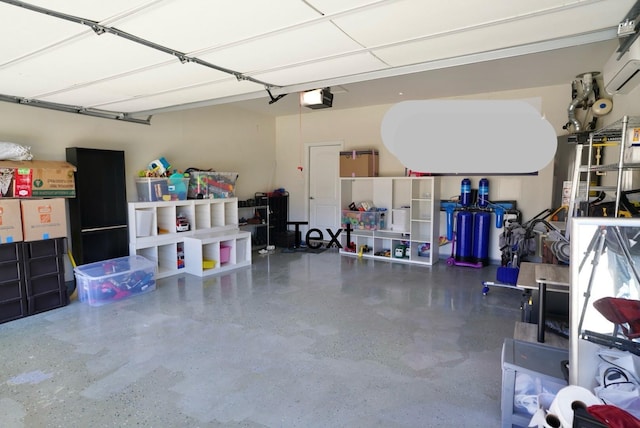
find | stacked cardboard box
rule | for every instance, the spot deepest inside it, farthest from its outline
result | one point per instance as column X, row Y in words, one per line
column 32, row 219
column 24, row 214
column 37, row 179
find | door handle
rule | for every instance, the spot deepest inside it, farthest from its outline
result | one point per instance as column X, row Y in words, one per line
column 311, row 197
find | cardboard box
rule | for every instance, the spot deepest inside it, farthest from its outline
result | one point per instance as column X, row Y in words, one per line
column 37, row 179
column 359, row 163
column 10, row 221
column 43, row 218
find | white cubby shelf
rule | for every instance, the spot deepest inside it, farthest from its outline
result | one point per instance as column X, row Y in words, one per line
column 153, row 234
column 411, row 218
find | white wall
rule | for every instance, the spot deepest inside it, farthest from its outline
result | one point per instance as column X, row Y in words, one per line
column 360, row 128
column 222, row 138
column 267, row 152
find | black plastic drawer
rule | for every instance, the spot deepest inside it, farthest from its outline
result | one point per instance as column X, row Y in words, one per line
column 10, row 252
column 45, row 284
column 44, row 248
column 13, row 309
column 10, row 271
column 43, row 266
column 47, row 301
column 11, row 290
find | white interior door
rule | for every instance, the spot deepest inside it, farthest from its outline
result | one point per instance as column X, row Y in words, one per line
column 324, row 186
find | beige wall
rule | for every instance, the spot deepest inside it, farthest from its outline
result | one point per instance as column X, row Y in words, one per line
column 360, row 128
column 267, row 152
column 222, row 138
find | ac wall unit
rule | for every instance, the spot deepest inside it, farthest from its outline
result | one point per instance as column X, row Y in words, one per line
column 620, row 76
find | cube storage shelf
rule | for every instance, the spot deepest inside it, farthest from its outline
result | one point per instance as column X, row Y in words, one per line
column 153, row 232
column 217, row 251
column 409, row 232
column 31, row 278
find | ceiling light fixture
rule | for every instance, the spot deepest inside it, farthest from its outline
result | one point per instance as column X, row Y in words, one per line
column 317, row 98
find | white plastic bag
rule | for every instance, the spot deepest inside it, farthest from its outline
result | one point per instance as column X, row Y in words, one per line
column 618, row 381
column 13, row 151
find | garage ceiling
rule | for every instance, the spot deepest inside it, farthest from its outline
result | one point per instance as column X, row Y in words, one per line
column 130, row 59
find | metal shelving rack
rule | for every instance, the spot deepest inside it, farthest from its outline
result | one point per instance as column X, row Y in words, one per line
column 259, row 231
column 615, row 134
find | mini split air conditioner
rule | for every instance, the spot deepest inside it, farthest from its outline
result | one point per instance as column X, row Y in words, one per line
column 620, row 76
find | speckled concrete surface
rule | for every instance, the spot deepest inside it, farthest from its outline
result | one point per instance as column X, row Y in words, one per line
column 296, row 340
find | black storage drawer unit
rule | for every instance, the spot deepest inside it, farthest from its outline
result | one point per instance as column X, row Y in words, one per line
column 45, row 284
column 11, row 290
column 10, row 271
column 11, row 284
column 13, row 309
column 10, row 252
column 46, row 301
column 44, row 248
column 43, row 266
column 31, row 278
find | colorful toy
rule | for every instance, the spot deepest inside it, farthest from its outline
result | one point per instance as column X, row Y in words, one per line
column 177, row 186
column 182, row 223
column 135, row 282
column 209, row 184
column 159, row 166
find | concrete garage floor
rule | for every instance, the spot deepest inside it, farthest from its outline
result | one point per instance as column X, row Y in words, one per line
column 295, row 340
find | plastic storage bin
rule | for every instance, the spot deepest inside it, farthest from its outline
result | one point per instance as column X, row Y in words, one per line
column 211, row 185
column 225, row 253
column 529, row 370
column 152, row 189
column 400, row 219
column 115, row 279
column 361, row 220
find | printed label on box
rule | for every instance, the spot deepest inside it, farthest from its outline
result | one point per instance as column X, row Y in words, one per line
column 23, row 178
column 6, row 182
column 45, row 214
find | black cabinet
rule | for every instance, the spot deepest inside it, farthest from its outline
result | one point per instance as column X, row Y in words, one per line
column 31, row 278
column 278, row 218
column 98, row 213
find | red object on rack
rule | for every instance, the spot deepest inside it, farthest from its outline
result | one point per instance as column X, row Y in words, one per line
column 613, row 416
column 622, row 312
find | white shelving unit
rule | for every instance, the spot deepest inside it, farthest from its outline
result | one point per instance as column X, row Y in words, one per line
column 153, row 233
column 209, row 246
column 411, row 219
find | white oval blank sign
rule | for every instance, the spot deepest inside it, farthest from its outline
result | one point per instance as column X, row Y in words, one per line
column 469, row 136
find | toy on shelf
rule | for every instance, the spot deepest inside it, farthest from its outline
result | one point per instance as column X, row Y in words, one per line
column 182, row 223
column 159, row 167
